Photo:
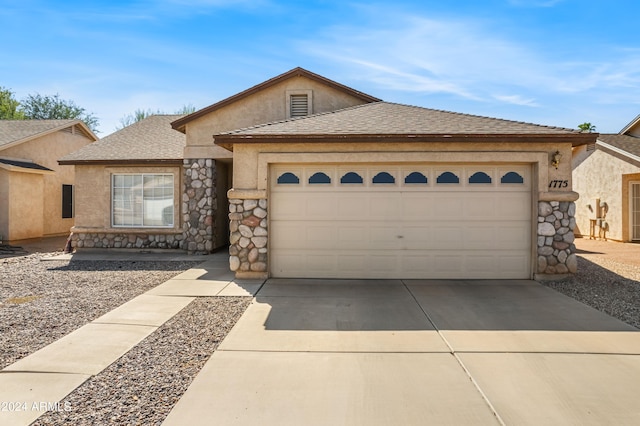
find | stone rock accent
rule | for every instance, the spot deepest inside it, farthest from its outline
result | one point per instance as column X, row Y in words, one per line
column 123, row 240
column 198, row 205
column 556, row 251
column 249, row 235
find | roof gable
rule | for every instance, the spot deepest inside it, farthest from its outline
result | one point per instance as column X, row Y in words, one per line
column 15, row 132
column 633, row 128
column 296, row 72
column 148, row 140
column 626, row 147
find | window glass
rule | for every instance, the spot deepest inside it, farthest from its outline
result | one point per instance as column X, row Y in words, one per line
column 448, row 177
column 319, row 177
column 384, row 177
column 415, row 177
column 288, row 178
column 512, row 177
column 480, row 177
column 351, row 177
column 142, row 200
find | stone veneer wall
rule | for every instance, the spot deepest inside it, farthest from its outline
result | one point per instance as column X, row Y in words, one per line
column 556, row 251
column 198, row 205
column 249, row 236
column 124, row 240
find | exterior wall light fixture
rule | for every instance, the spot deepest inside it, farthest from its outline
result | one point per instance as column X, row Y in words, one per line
column 555, row 159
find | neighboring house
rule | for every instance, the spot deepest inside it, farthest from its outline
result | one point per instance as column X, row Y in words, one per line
column 36, row 193
column 305, row 177
column 607, row 176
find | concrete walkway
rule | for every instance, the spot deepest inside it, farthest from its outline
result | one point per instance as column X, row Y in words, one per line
column 348, row 352
column 34, row 384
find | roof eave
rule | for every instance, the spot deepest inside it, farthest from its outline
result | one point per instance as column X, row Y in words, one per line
column 628, row 127
column 181, row 123
column 618, row 153
column 576, row 139
column 146, row 162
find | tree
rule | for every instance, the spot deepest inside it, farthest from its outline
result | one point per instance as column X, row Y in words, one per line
column 587, row 127
column 141, row 114
column 9, row 106
column 38, row 107
column 137, row 115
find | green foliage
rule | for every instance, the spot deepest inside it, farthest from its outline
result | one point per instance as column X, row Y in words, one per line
column 141, row 114
column 587, row 127
column 38, row 107
column 186, row 109
column 9, row 106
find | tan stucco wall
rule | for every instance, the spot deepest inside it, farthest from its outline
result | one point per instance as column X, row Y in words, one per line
column 93, row 197
column 25, row 206
column 600, row 176
column 4, row 204
column 46, row 151
column 251, row 160
column 265, row 106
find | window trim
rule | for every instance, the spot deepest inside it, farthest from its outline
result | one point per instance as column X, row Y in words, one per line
column 143, row 174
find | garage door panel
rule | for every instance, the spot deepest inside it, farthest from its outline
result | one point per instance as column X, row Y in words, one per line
column 385, row 231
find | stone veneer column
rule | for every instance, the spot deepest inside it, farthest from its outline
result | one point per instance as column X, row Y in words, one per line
column 556, row 251
column 249, row 237
column 198, row 205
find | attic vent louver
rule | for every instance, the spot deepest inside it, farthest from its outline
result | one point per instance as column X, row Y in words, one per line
column 299, row 105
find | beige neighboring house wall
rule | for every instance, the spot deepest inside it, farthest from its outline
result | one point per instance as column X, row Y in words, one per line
column 32, row 198
column 602, row 179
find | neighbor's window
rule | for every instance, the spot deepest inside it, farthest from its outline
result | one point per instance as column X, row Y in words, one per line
column 142, row 200
column 67, row 201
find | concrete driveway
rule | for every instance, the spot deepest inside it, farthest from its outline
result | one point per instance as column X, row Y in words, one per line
column 394, row 352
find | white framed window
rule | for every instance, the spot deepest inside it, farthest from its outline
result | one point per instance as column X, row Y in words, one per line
column 142, row 200
column 634, row 210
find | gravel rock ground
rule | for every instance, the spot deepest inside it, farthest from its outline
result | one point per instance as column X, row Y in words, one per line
column 142, row 386
column 607, row 285
column 42, row 301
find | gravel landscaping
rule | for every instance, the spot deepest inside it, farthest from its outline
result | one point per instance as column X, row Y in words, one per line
column 606, row 285
column 42, row 301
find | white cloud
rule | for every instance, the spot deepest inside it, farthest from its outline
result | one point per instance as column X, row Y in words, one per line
column 517, row 100
column 469, row 58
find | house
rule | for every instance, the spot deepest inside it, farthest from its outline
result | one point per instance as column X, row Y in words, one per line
column 304, row 177
column 36, row 193
column 129, row 187
column 607, row 175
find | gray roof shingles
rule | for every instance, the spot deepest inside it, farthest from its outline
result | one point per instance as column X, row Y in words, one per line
column 146, row 140
column 626, row 143
column 387, row 118
column 17, row 130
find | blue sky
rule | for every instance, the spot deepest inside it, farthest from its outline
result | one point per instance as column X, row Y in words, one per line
column 553, row 62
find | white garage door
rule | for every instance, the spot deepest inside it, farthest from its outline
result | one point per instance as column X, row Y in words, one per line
column 408, row 221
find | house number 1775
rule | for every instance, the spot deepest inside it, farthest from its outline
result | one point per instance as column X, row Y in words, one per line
column 558, row 184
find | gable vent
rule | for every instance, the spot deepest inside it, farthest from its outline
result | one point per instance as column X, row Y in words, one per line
column 299, row 105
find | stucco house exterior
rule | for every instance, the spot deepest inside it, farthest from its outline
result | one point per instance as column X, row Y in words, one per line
column 304, row 177
column 607, row 176
column 36, row 193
